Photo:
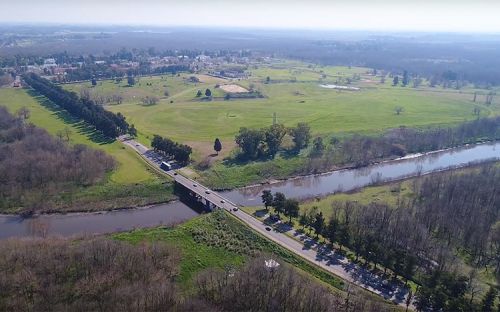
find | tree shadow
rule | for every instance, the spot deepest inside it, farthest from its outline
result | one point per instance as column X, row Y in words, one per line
column 82, row 126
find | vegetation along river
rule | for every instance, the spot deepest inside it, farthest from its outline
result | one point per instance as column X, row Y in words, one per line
column 301, row 187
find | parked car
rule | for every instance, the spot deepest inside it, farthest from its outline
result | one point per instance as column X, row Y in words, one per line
column 165, row 166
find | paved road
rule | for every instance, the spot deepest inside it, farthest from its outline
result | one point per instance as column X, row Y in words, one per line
column 301, row 245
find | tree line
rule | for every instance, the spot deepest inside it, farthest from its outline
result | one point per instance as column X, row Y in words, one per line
column 266, row 142
column 419, row 238
column 171, row 149
column 109, row 124
column 361, row 150
column 34, row 165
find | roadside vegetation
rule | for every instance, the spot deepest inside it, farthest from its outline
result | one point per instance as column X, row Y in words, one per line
column 210, row 263
column 129, row 184
column 439, row 231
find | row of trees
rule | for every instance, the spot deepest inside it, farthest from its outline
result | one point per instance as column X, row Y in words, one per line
column 361, row 150
column 256, row 143
column 171, row 149
column 35, row 165
column 108, row 123
column 448, row 212
column 289, row 207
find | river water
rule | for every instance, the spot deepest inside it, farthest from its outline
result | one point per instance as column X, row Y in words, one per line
column 346, row 180
column 302, row 187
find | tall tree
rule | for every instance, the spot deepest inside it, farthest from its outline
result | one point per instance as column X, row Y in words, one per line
column 273, row 136
column 291, row 209
column 395, row 81
column 301, row 135
column 318, row 224
column 250, row 142
column 217, row 146
column 279, row 202
column 208, row 93
column 267, row 198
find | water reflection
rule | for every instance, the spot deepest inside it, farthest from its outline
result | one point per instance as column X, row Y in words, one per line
column 346, row 180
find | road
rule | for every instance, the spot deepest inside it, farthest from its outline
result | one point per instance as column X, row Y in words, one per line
column 300, row 245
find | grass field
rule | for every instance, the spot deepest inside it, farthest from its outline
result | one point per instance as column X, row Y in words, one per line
column 295, row 95
column 132, row 183
column 370, row 110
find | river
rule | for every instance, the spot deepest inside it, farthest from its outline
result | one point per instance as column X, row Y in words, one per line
column 301, row 187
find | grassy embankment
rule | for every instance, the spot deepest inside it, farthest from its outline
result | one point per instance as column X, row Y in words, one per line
column 218, row 240
column 294, row 94
column 131, row 183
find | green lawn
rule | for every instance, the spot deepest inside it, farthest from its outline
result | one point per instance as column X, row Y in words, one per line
column 132, row 183
column 370, row 110
column 187, row 119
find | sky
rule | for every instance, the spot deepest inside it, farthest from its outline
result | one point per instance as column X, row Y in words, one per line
column 395, row 15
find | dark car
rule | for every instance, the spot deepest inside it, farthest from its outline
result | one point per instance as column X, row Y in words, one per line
column 268, row 228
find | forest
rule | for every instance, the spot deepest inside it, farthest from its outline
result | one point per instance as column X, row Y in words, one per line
column 421, row 238
column 99, row 274
column 110, row 124
column 34, row 165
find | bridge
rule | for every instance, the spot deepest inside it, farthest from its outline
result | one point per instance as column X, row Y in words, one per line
column 209, row 198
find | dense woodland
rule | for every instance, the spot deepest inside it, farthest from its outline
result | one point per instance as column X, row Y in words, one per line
column 420, row 238
column 110, row 124
column 106, row 275
column 34, row 165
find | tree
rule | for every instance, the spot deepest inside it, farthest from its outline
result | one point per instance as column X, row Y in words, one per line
column 318, row 224
column 303, row 220
column 318, row 147
column 198, row 94
column 166, row 93
column 217, row 146
column 94, row 82
column 406, row 79
column 398, row 109
column 332, row 230
column 130, row 80
column 395, row 81
column 291, row 209
column 279, row 202
column 488, row 300
column 208, row 93
column 476, row 111
column 273, row 136
column 132, row 131
column 268, row 79
column 267, row 198
column 23, row 113
column 301, row 135
column 250, row 142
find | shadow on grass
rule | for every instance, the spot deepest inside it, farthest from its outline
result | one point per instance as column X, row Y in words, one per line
column 82, row 127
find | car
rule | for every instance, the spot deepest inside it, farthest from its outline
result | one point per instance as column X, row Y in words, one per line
column 195, row 185
column 175, row 173
column 207, row 192
column 222, row 201
column 235, row 209
column 268, row 228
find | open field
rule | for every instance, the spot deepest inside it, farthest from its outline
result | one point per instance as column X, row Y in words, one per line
column 294, row 94
column 370, row 110
column 132, row 183
column 233, row 88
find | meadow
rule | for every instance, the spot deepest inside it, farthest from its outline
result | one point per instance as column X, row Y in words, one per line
column 294, row 93
column 131, row 183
